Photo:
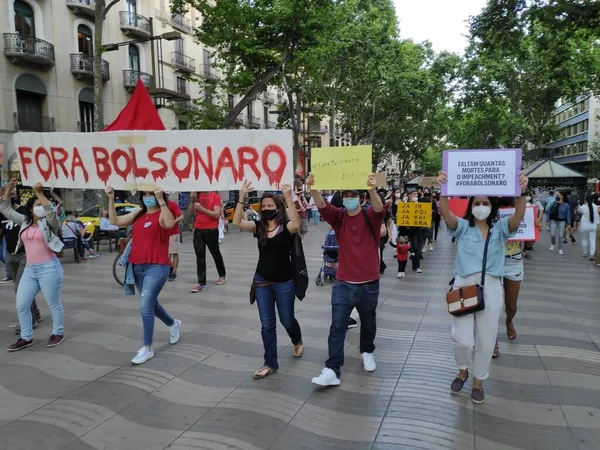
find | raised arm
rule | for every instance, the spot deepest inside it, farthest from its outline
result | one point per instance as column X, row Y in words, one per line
column 6, row 206
column 121, row 221
column 294, row 224
column 515, row 220
column 316, row 195
column 166, row 219
column 444, row 210
column 238, row 221
column 51, row 217
column 376, row 202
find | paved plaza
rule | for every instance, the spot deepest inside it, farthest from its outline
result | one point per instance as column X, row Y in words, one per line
column 544, row 390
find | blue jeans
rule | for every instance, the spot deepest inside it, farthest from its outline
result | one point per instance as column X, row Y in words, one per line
column 4, row 255
column 557, row 230
column 315, row 216
column 47, row 277
column 283, row 295
column 345, row 297
column 149, row 280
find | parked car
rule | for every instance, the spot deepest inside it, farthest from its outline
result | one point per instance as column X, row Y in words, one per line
column 254, row 203
column 228, row 209
column 91, row 216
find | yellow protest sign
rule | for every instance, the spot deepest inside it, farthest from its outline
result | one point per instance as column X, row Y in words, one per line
column 341, row 167
column 414, row 214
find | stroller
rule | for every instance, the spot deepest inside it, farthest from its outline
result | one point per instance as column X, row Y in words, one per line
column 330, row 259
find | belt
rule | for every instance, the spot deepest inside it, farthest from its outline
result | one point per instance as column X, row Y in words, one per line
column 513, row 256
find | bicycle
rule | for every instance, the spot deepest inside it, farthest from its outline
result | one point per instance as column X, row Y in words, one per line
column 117, row 269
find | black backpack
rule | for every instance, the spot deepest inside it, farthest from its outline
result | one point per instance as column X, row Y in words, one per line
column 367, row 222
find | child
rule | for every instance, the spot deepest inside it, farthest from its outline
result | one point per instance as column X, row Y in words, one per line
column 402, row 254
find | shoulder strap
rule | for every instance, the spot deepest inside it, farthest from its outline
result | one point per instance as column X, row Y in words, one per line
column 485, row 253
column 368, row 222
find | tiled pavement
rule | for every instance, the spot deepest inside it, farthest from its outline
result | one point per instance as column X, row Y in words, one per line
column 544, row 391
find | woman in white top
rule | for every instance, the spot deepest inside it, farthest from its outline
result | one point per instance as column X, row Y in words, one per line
column 590, row 219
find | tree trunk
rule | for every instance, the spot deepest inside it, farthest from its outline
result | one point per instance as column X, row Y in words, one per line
column 98, row 86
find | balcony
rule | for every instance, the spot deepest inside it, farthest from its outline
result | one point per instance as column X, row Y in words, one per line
column 254, row 122
column 239, row 120
column 209, row 72
column 186, row 105
column 181, row 23
column 270, row 124
column 32, row 122
column 183, row 63
column 135, row 25
column 84, row 8
column 130, row 78
column 268, row 98
column 28, row 50
column 82, row 67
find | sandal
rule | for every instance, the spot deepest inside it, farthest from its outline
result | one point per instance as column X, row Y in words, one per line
column 496, row 351
column 263, row 372
column 511, row 332
column 221, row 281
column 298, row 350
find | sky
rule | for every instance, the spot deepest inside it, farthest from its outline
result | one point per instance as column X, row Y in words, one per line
column 442, row 22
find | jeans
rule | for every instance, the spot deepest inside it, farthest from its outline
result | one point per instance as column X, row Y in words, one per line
column 15, row 265
column 207, row 238
column 47, row 277
column 344, row 297
column 149, row 280
column 283, row 295
column 4, row 255
column 436, row 225
column 315, row 216
column 557, row 230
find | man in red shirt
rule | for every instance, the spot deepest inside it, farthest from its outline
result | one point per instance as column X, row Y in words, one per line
column 357, row 281
column 174, row 238
column 206, row 207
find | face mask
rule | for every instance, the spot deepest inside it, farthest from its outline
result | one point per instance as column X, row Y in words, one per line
column 404, row 199
column 397, row 195
column 527, row 199
column 481, row 212
column 351, row 203
column 557, row 197
column 150, row 202
column 414, row 199
column 39, row 211
column 268, row 214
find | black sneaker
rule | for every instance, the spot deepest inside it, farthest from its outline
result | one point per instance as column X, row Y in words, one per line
column 352, row 323
column 477, row 396
column 5, row 280
column 173, row 277
column 573, row 240
column 458, row 384
column 19, row 345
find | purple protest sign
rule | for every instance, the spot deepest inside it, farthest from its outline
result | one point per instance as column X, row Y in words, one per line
column 482, row 172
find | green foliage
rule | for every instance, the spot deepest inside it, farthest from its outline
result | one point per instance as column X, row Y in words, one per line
column 431, row 163
column 594, row 154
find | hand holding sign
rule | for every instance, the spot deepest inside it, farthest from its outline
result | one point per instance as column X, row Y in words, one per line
column 442, row 178
column 310, row 180
column 287, row 191
column 38, row 189
column 159, row 194
column 372, row 182
column 523, row 181
column 110, row 192
column 246, row 188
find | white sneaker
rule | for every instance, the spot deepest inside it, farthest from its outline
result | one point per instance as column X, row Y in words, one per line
column 560, row 252
column 403, row 274
column 419, row 271
column 327, row 378
column 369, row 362
column 143, row 355
column 424, row 249
column 430, row 247
column 174, row 332
column 399, row 274
column 552, row 248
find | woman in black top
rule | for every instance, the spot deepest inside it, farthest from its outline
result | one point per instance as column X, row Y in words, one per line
column 274, row 273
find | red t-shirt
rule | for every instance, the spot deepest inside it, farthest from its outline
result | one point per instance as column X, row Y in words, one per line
column 358, row 249
column 176, row 212
column 402, row 251
column 150, row 241
column 208, row 201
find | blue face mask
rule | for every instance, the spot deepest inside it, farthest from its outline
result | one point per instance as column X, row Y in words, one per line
column 150, row 202
column 351, row 203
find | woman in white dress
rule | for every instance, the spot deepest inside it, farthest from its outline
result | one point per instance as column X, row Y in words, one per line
column 590, row 219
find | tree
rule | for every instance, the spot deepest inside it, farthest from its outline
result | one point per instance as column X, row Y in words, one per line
column 101, row 10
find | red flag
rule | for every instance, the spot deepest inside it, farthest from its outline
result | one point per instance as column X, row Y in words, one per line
column 139, row 113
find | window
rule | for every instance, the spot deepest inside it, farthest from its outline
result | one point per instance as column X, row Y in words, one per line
column 230, row 101
column 206, row 54
column 181, row 125
column 249, row 110
column 179, row 46
column 131, row 6
column 85, row 41
column 266, row 115
column 134, row 58
column 207, row 94
column 181, row 85
column 24, row 19
column 86, row 117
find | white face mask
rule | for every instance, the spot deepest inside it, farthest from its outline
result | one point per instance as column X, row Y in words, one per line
column 527, row 199
column 481, row 212
column 405, row 199
column 414, row 199
column 39, row 211
column 397, row 195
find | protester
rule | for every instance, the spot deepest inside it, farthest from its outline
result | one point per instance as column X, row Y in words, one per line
column 559, row 216
column 590, row 221
column 107, row 227
column 38, row 231
column 174, row 239
column 206, row 208
column 402, row 254
column 357, row 283
column 415, row 236
column 475, row 334
column 274, row 278
column 149, row 256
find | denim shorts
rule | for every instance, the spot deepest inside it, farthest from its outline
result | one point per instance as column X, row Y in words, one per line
column 513, row 267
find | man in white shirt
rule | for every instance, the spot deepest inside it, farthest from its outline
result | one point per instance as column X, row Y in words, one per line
column 112, row 230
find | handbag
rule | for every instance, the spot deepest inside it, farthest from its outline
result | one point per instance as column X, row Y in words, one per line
column 469, row 299
column 301, row 280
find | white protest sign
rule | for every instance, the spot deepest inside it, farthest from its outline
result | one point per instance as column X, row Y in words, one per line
column 528, row 231
column 482, row 172
column 191, row 160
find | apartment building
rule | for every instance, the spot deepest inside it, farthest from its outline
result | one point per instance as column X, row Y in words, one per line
column 579, row 122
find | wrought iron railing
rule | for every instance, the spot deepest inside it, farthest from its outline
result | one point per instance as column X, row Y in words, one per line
column 15, row 43
column 130, row 78
column 26, row 122
column 254, row 121
column 181, row 22
column 91, row 3
column 270, row 124
column 85, row 63
column 210, row 72
column 131, row 19
column 185, row 62
column 268, row 97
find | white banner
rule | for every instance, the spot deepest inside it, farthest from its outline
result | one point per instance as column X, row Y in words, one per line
column 193, row 160
column 527, row 231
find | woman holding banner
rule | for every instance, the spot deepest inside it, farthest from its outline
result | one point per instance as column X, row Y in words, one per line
column 149, row 257
column 39, row 236
column 474, row 345
column 273, row 283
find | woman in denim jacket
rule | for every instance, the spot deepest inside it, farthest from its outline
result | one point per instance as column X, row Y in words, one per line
column 559, row 217
column 38, row 235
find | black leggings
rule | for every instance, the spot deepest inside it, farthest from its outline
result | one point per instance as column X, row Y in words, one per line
column 436, row 225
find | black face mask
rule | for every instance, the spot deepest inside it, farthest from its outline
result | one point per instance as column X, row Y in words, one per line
column 268, row 214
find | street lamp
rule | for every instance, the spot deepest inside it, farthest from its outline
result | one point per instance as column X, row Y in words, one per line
column 169, row 36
